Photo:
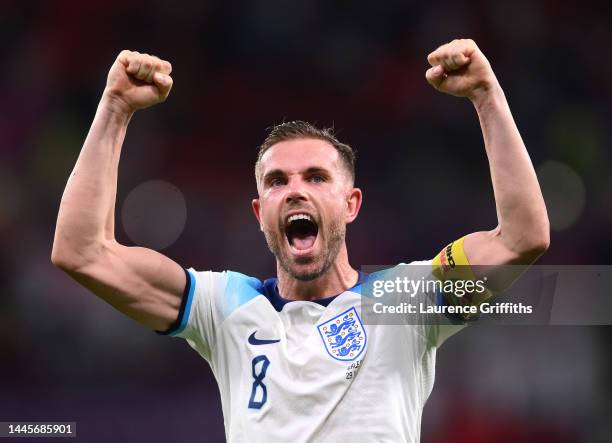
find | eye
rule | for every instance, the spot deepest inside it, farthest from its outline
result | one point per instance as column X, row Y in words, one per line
column 276, row 182
column 317, row 179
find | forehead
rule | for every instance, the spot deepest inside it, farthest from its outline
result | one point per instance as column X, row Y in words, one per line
column 299, row 154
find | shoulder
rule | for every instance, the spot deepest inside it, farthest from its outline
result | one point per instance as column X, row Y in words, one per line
column 227, row 289
column 413, row 268
column 225, row 278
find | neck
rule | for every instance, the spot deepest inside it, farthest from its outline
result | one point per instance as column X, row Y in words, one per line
column 338, row 278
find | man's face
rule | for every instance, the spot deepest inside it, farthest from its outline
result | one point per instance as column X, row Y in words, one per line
column 305, row 201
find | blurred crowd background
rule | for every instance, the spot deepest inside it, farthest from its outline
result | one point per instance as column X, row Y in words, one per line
column 186, row 182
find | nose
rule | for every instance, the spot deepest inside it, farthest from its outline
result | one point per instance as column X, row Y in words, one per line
column 294, row 197
column 295, row 192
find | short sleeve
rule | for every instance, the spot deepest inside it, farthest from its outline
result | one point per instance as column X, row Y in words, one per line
column 199, row 316
column 435, row 328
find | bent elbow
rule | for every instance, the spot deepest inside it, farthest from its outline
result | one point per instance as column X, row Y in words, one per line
column 539, row 246
column 64, row 260
column 544, row 243
column 70, row 259
column 535, row 243
column 542, row 240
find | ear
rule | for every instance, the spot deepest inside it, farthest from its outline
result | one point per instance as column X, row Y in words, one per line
column 256, row 209
column 354, row 199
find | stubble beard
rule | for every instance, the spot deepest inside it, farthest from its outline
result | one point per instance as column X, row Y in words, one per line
column 335, row 233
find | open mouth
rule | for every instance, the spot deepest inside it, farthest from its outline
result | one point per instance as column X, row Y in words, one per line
column 301, row 231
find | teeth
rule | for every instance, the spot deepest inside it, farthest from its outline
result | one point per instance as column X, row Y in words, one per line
column 299, row 217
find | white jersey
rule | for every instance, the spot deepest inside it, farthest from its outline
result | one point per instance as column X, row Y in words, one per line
column 300, row 371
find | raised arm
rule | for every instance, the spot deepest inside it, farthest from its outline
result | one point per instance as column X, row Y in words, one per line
column 459, row 68
column 139, row 282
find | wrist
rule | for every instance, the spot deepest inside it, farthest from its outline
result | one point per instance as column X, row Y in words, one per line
column 487, row 96
column 116, row 106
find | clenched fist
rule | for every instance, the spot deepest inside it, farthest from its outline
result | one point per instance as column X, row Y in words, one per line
column 459, row 68
column 137, row 81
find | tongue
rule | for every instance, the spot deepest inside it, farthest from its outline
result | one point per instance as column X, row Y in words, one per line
column 304, row 242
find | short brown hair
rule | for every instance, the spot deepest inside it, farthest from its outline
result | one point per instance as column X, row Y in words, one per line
column 301, row 129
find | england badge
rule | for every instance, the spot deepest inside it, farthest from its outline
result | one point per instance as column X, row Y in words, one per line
column 344, row 336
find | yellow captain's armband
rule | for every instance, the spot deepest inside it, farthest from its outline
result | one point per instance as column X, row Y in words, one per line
column 461, row 287
column 452, row 262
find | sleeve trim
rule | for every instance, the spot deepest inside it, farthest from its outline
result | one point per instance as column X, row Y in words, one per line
column 183, row 317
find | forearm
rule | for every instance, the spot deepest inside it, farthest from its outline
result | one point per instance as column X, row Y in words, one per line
column 87, row 210
column 521, row 212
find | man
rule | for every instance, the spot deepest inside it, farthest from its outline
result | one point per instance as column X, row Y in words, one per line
column 292, row 357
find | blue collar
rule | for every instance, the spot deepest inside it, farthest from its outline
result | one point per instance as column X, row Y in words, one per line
column 270, row 291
